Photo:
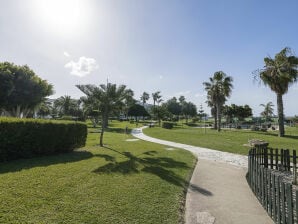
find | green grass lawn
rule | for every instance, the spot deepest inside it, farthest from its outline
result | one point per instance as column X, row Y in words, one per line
column 124, row 182
column 226, row 140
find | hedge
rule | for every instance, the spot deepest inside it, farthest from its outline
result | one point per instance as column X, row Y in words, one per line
column 167, row 125
column 25, row 138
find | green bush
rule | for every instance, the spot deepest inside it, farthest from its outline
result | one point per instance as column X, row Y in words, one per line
column 167, row 125
column 25, row 138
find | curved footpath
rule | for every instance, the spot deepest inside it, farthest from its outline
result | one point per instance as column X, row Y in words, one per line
column 218, row 192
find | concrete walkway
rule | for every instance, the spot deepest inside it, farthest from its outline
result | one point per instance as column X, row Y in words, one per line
column 218, row 192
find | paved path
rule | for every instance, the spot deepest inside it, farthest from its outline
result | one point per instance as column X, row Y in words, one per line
column 218, row 192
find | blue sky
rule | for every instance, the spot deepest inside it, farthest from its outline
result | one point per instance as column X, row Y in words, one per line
column 167, row 45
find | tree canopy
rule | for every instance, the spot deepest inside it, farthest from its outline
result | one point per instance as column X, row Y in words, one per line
column 218, row 89
column 108, row 98
column 21, row 90
column 279, row 73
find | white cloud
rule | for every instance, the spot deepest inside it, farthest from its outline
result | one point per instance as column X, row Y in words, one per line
column 66, row 54
column 200, row 95
column 182, row 93
column 83, row 67
column 160, row 77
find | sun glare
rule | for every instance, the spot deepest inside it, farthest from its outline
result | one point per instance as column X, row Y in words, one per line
column 62, row 16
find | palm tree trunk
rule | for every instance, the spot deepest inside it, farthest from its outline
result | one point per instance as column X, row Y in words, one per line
column 104, row 124
column 215, row 117
column 102, row 130
column 218, row 115
column 280, row 111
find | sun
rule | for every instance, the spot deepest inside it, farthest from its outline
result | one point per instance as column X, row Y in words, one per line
column 61, row 16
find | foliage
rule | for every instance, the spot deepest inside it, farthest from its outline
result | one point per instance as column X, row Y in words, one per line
column 137, row 110
column 161, row 113
column 145, row 96
column 108, row 98
column 21, row 89
column 218, row 90
column 279, row 73
column 23, row 138
column 129, row 182
column 156, row 98
column 238, row 112
column 65, row 105
column 173, row 106
column 267, row 113
column 167, row 125
column 189, row 110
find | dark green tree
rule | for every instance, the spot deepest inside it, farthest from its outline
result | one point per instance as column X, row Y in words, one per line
column 136, row 111
column 21, row 90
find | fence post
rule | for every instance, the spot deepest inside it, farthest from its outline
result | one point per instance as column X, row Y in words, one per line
column 289, row 199
column 273, row 198
column 266, row 157
column 294, row 168
column 278, row 200
column 271, row 158
column 283, row 213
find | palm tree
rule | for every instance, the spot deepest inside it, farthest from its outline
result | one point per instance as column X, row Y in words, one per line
column 145, row 96
column 279, row 73
column 218, row 90
column 156, row 98
column 65, row 105
column 268, row 110
column 108, row 97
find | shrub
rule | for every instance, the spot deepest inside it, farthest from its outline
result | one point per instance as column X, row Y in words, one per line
column 167, row 125
column 25, row 138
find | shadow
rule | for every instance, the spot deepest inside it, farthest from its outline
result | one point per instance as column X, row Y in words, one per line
column 144, row 162
column 106, row 157
column 117, row 130
column 200, row 190
column 44, row 161
column 291, row 136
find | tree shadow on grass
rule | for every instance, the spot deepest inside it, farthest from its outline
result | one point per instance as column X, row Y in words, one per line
column 22, row 164
column 145, row 162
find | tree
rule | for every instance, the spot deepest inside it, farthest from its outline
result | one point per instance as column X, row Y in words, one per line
column 201, row 113
column 235, row 111
column 66, row 105
column 44, row 108
column 267, row 113
column 189, row 110
column 136, row 111
column 161, row 113
column 145, row 96
column 173, row 106
column 21, row 89
column 279, row 73
column 108, row 97
column 156, row 98
column 218, row 89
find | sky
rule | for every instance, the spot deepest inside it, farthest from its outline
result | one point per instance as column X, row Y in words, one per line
column 172, row 46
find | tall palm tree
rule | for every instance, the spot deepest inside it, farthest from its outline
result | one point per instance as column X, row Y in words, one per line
column 279, row 73
column 145, row 96
column 108, row 97
column 218, row 90
column 268, row 110
column 156, row 98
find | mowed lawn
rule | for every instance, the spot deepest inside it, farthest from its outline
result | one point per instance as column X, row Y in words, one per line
column 226, row 140
column 125, row 182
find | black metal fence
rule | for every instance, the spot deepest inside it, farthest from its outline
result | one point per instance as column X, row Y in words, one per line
column 271, row 173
